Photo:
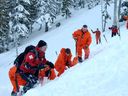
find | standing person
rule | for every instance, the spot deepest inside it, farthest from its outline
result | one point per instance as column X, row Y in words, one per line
column 28, row 70
column 83, row 40
column 98, row 38
column 63, row 61
column 114, row 30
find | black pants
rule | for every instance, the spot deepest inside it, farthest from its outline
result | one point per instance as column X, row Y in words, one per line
column 30, row 79
column 113, row 34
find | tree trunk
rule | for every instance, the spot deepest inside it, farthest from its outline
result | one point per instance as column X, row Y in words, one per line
column 115, row 13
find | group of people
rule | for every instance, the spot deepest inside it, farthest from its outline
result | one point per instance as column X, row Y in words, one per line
column 34, row 66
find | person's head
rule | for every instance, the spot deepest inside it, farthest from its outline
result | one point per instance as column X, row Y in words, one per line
column 67, row 51
column 84, row 28
column 42, row 45
column 97, row 29
column 48, row 67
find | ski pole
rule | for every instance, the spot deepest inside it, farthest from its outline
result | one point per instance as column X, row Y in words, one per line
column 105, row 38
column 56, row 52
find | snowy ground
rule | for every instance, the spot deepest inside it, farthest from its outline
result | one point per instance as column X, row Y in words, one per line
column 103, row 74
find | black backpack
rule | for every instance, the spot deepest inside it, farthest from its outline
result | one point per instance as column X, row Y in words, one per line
column 18, row 61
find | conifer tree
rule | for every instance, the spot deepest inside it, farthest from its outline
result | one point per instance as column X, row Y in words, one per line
column 4, row 26
column 66, row 8
column 105, row 14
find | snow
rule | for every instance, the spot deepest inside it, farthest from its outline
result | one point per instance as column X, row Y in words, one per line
column 28, row 1
column 103, row 74
column 21, row 9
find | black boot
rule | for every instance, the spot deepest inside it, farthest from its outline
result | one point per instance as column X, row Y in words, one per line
column 80, row 60
column 13, row 93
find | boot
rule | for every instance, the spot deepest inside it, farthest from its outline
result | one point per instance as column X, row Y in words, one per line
column 13, row 93
column 80, row 60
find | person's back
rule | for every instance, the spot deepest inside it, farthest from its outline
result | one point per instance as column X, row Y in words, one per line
column 63, row 60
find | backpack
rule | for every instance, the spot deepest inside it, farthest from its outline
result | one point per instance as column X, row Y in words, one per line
column 18, row 61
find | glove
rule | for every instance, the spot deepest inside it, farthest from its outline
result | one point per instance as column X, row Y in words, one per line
column 50, row 64
column 41, row 66
column 75, row 39
column 68, row 64
column 27, row 65
column 47, row 73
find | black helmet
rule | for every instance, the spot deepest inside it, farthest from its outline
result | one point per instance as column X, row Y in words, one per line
column 67, row 50
column 85, row 26
column 41, row 43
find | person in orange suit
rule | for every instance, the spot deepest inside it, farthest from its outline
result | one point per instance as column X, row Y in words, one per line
column 63, row 61
column 83, row 40
column 126, row 18
column 98, row 33
column 16, row 79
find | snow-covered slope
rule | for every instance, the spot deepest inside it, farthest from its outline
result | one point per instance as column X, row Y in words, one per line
column 103, row 74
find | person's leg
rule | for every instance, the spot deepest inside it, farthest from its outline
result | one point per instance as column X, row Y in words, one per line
column 97, row 39
column 60, row 71
column 31, row 80
column 87, row 53
column 12, row 72
column 79, row 51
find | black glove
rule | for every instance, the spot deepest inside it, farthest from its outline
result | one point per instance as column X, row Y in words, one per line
column 68, row 64
column 47, row 73
column 41, row 66
column 27, row 65
column 50, row 64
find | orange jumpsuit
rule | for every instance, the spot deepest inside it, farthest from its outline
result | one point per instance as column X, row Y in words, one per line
column 62, row 61
column 83, row 41
column 13, row 76
column 98, row 39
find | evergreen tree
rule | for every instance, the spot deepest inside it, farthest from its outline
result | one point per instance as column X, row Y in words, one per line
column 115, row 13
column 78, row 4
column 105, row 15
column 19, row 23
column 66, row 8
column 4, row 26
column 33, row 8
column 50, row 9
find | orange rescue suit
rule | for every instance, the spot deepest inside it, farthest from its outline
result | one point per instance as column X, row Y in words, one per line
column 62, row 61
column 83, row 41
column 98, row 39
